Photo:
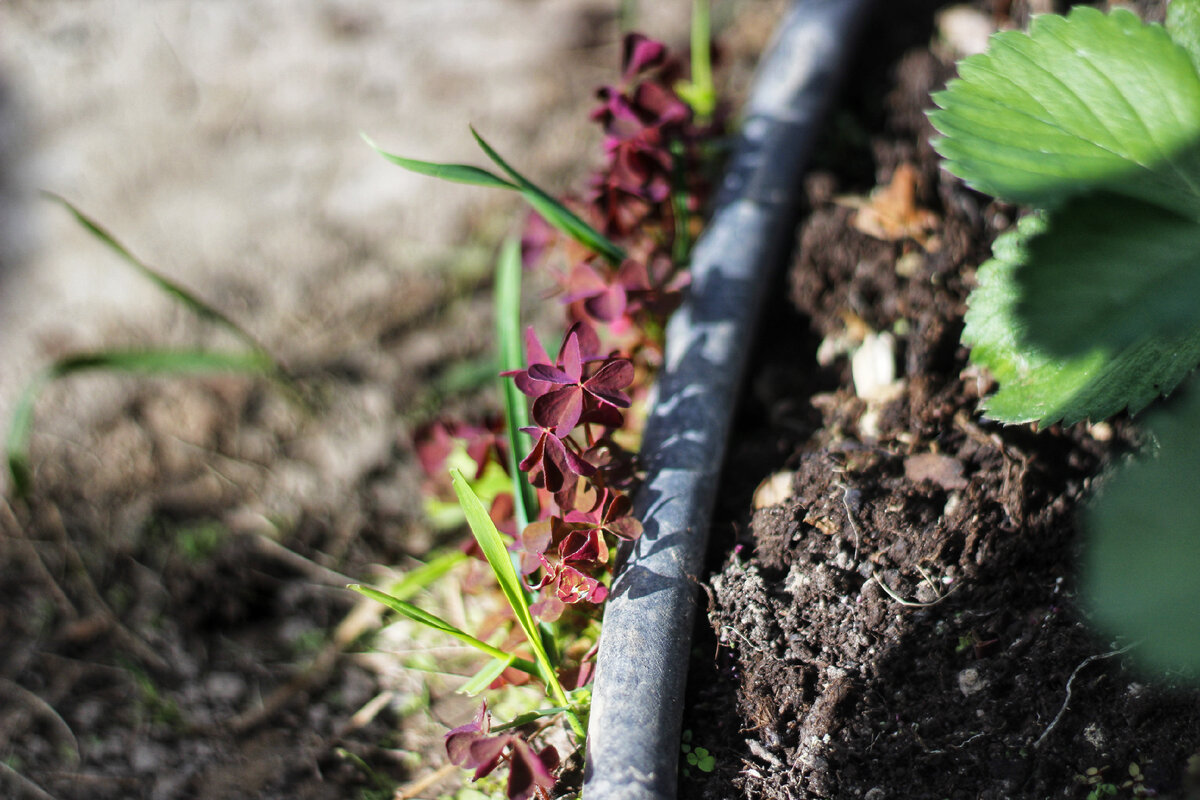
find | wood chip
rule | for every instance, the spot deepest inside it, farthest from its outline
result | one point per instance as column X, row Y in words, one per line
column 945, row 471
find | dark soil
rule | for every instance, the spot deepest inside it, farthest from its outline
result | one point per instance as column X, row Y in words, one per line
column 906, row 624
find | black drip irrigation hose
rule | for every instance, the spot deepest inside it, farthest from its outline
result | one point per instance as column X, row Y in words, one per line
column 645, row 643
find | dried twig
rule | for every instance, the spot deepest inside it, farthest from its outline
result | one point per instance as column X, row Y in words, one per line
column 17, row 531
column 364, row 616
column 411, row 790
column 143, row 651
column 1071, row 680
column 41, row 708
column 910, row 603
column 24, row 786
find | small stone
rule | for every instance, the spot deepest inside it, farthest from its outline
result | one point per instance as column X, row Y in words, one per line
column 873, row 367
column 774, row 490
column 225, row 687
column 971, row 682
column 965, row 30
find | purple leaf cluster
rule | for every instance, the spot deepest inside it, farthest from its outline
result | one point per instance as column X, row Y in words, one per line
column 645, row 197
column 581, row 392
column 473, row 746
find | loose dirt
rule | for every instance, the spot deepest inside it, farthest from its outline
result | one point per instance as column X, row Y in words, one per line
column 906, row 623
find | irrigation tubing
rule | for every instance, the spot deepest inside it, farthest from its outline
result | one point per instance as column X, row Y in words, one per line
column 645, row 643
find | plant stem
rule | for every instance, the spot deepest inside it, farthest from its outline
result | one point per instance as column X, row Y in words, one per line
column 702, row 78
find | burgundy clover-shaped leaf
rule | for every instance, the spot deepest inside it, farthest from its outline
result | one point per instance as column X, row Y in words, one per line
column 640, row 53
column 587, row 345
column 573, row 586
column 612, row 512
column 529, row 771
column 560, row 409
column 472, row 747
column 551, row 464
column 606, row 295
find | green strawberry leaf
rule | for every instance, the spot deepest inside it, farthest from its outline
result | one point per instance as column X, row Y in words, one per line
column 1107, row 272
column 1139, row 575
column 1037, row 384
column 1183, row 23
column 1082, row 102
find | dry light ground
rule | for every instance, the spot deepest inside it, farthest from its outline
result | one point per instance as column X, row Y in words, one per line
column 172, row 617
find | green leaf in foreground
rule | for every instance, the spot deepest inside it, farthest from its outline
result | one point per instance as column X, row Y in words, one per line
column 1086, row 101
column 484, row 677
column 498, row 558
column 435, row 622
column 554, row 212
column 512, row 357
column 1183, row 23
column 1144, row 550
column 1109, row 271
column 457, row 173
column 147, row 362
column 1038, row 385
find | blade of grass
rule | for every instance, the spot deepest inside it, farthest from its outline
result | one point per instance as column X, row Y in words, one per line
column 554, row 212
column 148, row 362
column 417, row 579
column 458, row 173
column 497, row 555
column 483, row 679
column 168, row 286
column 681, row 247
column 702, row 95
column 528, row 717
column 435, row 622
column 516, row 410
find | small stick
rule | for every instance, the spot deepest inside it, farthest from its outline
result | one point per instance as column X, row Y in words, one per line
column 18, row 532
column 1071, row 680
column 909, row 603
column 144, row 652
column 41, row 708
column 411, row 790
column 23, row 784
column 850, row 516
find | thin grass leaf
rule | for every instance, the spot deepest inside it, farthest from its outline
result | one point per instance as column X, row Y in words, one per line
column 435, row 622
column 499, row 559
column 528, row 717
column 170, row 287
column 423, row 576
column 483, row 679
column 147, row 362
column 516, row 410
column 700, row 93
column 681, row 247
column 458, row 173
column 554, row 212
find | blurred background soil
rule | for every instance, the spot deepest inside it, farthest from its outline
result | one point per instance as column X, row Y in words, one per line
column 173, row 621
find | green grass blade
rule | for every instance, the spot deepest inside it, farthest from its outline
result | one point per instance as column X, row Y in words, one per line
column 700, row 93
column 516, row 409
column 500, row 560
column 528, row 717
column 457, row 173
column 148, row 362
column 435, row 622
column 483, row 679
column 554, row 212
column 423, row 576
column 170, row 287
